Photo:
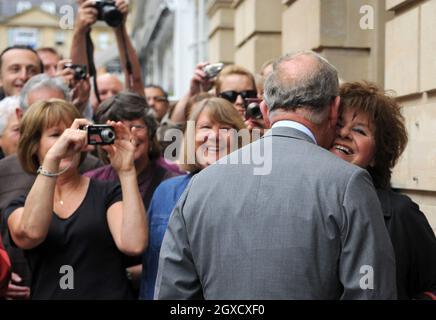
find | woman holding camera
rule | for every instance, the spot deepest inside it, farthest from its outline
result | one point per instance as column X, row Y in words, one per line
column 213, row 131
column 371, row 134
column 74, row 230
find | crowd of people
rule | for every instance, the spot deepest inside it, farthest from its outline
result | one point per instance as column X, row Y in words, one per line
column 173, row 207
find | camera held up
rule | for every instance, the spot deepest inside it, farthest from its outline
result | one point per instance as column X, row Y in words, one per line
column 80, row 71
column 252, row 109
column 212, row 70
column 100, row 134
column 108, row 12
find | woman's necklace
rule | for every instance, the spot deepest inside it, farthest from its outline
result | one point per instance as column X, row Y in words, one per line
column 59, row 197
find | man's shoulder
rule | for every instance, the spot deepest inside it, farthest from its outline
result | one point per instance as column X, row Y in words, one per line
column 10, row 163
column 11, row 173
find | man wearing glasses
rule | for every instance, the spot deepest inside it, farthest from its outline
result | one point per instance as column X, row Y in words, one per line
column 157, row 100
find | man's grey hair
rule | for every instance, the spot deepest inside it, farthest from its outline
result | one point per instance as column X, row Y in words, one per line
column 311, row 92
column 43, row 81
column 7, row 108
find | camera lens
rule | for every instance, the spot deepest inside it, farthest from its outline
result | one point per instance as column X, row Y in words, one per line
column 253, row 111
column 112, row 16
column 108, row 135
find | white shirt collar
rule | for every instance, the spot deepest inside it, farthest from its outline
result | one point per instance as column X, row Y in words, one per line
column 295, row 125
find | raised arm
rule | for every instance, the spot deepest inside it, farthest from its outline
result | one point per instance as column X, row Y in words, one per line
column 199, row 83
column 133, row 81
column 29, row 225
column 86, row 17
column 127, row 219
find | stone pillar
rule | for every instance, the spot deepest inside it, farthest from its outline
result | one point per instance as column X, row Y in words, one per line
column 257, row 32
column 221, row 31
column 411, row 72
column 348, row 33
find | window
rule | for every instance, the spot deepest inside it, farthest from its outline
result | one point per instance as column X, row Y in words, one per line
column 49, row 7
column 23, row 6
column 103, row 41
column 23, row 36
column 60, row 38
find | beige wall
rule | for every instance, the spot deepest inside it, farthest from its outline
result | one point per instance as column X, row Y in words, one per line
column 411, row 73
column 333, row 28
column 257, row 32
column 245, row 32
column 221, row 31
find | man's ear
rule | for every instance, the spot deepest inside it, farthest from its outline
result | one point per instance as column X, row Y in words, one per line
column 334, row 111
column 19, row 113
column 265, row 114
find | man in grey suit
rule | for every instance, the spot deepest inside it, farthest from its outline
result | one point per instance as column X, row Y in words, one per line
column 310, row 229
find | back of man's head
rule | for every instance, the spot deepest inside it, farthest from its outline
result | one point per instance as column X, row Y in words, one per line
column 304, row 82
column 53, row 87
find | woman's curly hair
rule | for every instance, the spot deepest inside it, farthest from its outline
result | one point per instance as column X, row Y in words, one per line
column 384, row 113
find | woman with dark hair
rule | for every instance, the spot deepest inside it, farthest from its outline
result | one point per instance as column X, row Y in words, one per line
column 213, row 131
column 372, row 135
column 151, row 168
column 131, row 109
column 75, row 231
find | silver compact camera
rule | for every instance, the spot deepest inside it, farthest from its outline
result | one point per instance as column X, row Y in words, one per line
column 212, row 70
column 100, row 134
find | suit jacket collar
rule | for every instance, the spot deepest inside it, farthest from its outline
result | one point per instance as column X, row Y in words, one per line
column 288, row 133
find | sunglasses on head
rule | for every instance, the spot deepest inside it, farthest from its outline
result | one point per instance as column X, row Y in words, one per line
column 232, row 95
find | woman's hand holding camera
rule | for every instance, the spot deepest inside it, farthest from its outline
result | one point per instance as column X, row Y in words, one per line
column 123, row 7
column 86, row 16
column 200, row 81
column 122, row 152
column 73, row 140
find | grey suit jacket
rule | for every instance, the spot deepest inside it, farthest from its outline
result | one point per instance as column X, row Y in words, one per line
column 311, row 229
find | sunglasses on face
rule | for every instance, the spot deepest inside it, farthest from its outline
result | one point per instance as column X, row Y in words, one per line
column 232, row 95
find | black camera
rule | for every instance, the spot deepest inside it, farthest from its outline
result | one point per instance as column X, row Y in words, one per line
column 80, row 72
column 252, row 108
column 212, row 70
column 108, row 12
column 100, row 134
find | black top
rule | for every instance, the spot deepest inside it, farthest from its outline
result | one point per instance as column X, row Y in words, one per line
column 414, row 244
column 84, row 242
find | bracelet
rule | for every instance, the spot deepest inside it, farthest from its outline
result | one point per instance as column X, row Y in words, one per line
column 45, row 173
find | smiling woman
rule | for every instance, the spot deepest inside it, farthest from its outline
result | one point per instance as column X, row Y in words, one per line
column 371, row 134
column 69, row 220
